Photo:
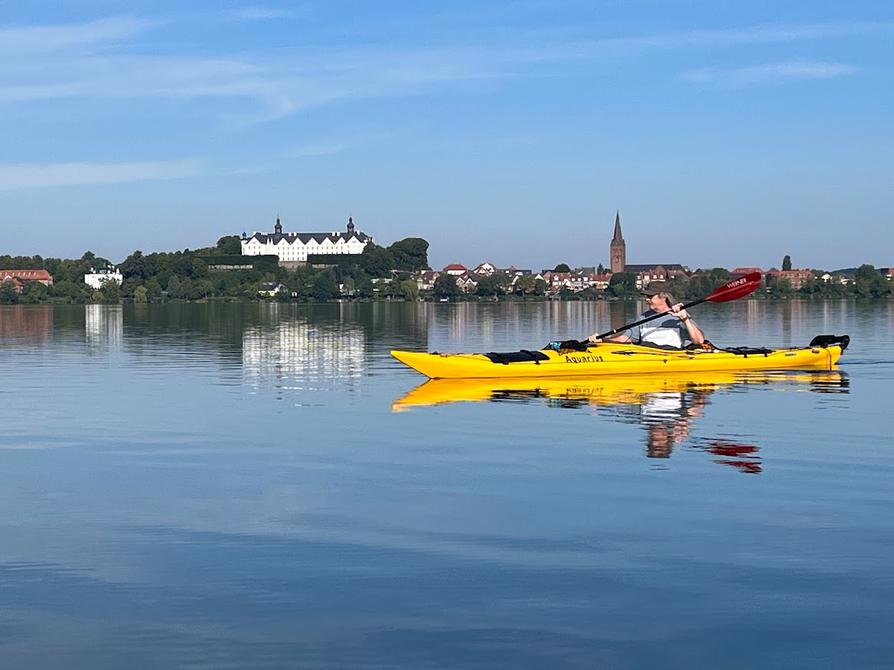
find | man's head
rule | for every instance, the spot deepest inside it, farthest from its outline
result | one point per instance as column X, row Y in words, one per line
column 658, row 297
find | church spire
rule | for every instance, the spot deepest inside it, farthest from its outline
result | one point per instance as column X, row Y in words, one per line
column 618, row 248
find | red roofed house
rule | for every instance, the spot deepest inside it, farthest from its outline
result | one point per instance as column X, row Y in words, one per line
column 486, row 269
column 741, row 272
column 19, row 277
column 456, row 270
column 796, row 278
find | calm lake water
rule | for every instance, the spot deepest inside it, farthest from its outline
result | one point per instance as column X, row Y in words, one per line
column 262, row 486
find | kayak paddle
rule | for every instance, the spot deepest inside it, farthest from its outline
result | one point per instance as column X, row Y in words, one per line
column 731, row 290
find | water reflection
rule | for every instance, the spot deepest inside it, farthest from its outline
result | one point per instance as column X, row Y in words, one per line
column 665, row 407
column 104, row 326
column 33, row 325
column 296, row 354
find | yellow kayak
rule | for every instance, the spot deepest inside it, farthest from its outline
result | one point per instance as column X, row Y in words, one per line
column 608, row 358
column 606, row 390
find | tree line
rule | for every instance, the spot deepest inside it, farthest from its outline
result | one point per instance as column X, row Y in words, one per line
column 379, row 272
column 191, row 275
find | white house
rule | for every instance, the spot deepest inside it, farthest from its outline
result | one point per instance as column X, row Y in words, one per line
column 297, row 246
column 96, row 278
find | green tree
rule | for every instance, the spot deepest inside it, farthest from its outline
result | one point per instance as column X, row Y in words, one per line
column 134, row 266
column 324, row 287
column 140, row 295
column 34, row 293
column 410, row 253
column 410, row 289
column 153, row 289
column 111, row 292
column 174, row 290
column 524, row 284
column 539, row 286
column 376, row 261
column 445, row 286
column 787, row 263
column 782, row 288
column 9, row 295
column 229, row 245
column 76, row 292
column 562, row 267
column 622, row 284
column 488, row 287
column 869, row 283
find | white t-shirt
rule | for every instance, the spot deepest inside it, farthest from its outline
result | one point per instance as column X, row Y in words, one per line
column 666, row 331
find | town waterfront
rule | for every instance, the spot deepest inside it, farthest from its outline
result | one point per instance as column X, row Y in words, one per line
column 247, row 485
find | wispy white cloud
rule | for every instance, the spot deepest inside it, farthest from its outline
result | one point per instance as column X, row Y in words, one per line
column 259, row 13
column 763, row 34
column 24, row 40
column 29, row 175
column 314, row 150
column 769, row 73
column 286, row 82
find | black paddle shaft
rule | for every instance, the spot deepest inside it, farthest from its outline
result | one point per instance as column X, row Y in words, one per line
column 649, row 318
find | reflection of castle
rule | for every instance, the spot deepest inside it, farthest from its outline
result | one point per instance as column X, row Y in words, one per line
column 296, row 351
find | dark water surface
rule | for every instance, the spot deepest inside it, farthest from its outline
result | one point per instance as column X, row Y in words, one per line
column 259, row 486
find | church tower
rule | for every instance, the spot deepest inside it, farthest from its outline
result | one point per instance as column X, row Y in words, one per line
column 277, row 229
column 618, row 248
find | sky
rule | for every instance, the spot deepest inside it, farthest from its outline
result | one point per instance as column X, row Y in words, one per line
column 726, row 133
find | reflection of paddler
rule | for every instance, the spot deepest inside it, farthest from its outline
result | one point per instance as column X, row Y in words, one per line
column 668, row 418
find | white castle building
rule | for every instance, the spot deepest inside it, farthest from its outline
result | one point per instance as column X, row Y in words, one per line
column 297, row 246
column 96, row 278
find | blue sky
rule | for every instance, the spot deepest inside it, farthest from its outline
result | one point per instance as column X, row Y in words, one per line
column 727, row 133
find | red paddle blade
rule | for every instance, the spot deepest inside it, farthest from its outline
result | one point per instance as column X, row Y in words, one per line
column 736, row 288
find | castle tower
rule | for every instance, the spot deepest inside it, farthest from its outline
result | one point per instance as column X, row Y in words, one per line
column 618, row 247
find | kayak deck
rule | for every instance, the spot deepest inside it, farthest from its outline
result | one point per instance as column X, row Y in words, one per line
column 608, row 358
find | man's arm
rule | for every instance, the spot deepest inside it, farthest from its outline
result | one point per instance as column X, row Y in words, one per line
column 695, row 333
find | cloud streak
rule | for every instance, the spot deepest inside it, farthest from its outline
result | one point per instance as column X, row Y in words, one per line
column 768, row 73
column 30, row 175
column 42, row 63
column 35, row 39
column 259, row 13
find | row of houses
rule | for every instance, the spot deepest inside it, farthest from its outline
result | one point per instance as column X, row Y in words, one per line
column 580, row 279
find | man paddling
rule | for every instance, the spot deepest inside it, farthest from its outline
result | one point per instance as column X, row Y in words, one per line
column 677, row 331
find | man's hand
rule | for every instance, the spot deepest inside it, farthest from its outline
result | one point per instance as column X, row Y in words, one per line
column 679, row 312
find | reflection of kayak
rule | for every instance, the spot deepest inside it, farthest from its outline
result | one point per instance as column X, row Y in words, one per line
column 615, row 359
column 604, row 390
